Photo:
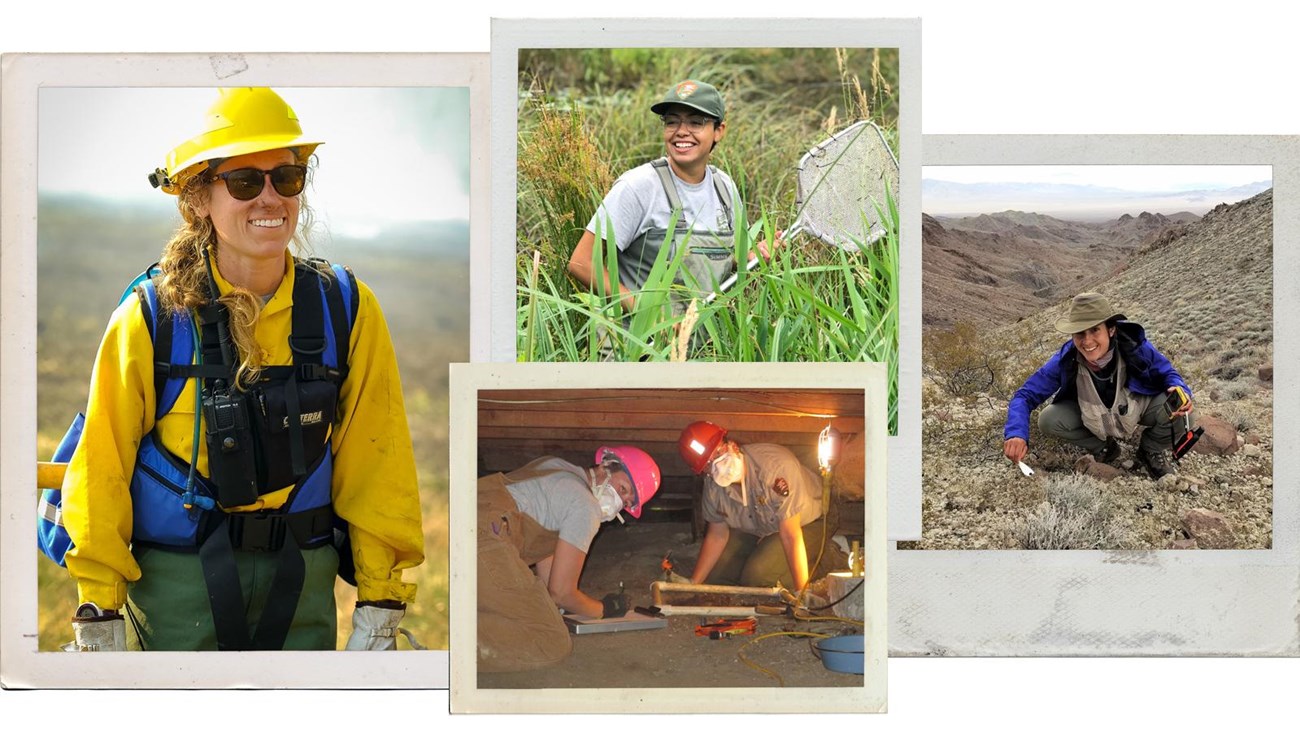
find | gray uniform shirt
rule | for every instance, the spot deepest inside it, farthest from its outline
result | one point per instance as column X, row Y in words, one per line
column 556, row 494
column 776, row 487
column 636, row 204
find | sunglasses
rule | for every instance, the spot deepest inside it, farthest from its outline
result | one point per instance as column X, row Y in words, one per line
column 245, row 184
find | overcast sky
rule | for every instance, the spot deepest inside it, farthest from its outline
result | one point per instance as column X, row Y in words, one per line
column 1087, row 191
column 1144, row 178
column 390, row 155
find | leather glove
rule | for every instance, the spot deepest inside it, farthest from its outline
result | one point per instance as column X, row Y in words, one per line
column 97, row 630
column 374, row 626
column 615, row 605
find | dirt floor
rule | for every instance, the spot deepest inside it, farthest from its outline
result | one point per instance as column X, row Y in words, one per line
column 673, row 656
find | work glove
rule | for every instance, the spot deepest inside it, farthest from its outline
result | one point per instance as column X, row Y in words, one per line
column 615, row 605
column 97, row 630
column 374, row 627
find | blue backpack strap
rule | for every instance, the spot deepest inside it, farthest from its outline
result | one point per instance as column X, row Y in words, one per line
column 340, row 300
column 177, row 342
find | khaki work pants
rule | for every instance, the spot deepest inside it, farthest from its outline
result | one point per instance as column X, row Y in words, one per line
column 519, row 627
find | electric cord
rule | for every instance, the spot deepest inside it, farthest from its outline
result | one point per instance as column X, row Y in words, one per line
column 787, row 633
column 842, row 599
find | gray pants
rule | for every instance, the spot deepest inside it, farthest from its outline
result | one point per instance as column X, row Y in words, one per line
column 1063, row 420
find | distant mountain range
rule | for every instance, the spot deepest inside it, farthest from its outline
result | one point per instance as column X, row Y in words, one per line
column 1073, row 201
column 996, row 269
column 437, row 238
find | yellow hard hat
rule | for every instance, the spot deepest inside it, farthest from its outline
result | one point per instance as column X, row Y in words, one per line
column 241, row 121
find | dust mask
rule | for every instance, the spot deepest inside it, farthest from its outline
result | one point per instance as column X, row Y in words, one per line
column 728, row 469
column 608, row 498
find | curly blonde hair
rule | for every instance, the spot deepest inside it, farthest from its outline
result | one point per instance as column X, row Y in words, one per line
column 184, row 283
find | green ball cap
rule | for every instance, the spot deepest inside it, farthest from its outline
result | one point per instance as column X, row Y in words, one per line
column 696, row 95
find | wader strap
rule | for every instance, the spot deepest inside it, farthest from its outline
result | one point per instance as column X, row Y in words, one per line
column 670, row 190
column 724, row 196
column 675, row 202
column 225, row 595
column 282, row 599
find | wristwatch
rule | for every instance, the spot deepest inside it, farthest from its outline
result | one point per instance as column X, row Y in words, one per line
column 89, row 612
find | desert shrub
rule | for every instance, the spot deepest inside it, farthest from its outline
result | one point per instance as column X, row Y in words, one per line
column 960, row 432
column 1231, row 391
column 1076, row 515
column 965, row 361
column 1236, row 415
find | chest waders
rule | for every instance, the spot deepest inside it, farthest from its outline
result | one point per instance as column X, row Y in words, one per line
column 710, row 256
column 249, row 434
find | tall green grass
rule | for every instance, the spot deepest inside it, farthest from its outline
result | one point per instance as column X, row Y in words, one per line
column 580, row 121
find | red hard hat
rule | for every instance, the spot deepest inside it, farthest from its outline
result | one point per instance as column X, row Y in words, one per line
column 641, row 468
column 697, row 443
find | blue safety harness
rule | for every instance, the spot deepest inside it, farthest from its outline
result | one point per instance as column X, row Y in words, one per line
column 177, row 509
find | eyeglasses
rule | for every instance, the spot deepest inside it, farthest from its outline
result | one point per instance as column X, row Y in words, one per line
column 694, row 124
column 245, row 184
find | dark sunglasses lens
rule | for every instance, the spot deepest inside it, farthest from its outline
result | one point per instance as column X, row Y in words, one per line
column 244, row 184
column 289, row 179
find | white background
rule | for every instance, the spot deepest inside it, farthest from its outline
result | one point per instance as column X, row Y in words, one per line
column 990, row 68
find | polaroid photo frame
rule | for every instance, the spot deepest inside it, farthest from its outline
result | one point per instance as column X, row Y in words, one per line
column 1126, row 603
column 471, row 381
column 509, row 36
column 26, row 77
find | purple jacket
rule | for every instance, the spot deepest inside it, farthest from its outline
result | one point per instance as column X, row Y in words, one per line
column 1148, row 371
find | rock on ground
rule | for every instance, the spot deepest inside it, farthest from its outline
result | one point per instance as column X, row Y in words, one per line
column 1209, row 529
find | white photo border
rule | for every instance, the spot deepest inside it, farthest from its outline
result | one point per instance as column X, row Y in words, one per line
column 510, row 35
column 1127, row 603
column 466, row 382
column 23, row 666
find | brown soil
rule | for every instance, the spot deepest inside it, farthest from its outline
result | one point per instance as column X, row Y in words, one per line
column 674, row 656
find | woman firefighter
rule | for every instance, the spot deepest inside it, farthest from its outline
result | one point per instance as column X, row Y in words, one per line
column 245, row 410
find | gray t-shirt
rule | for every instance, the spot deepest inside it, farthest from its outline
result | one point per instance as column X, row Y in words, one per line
column 637, row 203
column 555, row 493
column 776, row 486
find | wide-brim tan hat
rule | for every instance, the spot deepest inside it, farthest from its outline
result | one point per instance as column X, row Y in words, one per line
column 1086, row 310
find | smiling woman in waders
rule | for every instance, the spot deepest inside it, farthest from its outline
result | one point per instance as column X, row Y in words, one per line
column 245, row 416
column 640, row 206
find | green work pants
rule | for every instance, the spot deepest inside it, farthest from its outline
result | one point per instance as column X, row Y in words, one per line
column 1063, row 421
column 749, row 561
column 170, row 609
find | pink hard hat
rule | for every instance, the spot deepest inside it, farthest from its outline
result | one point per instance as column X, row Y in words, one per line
column 641, row 468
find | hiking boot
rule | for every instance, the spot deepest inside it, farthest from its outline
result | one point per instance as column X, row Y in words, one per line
column 1107, row 453
column 1156, row 463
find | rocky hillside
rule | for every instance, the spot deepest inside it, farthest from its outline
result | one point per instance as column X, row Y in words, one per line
column 994, row 269
column 1203, row 289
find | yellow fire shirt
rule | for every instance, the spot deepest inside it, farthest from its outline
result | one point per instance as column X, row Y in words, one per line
column 374, row 482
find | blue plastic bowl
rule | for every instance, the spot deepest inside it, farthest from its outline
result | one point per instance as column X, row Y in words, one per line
column 842, row 654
